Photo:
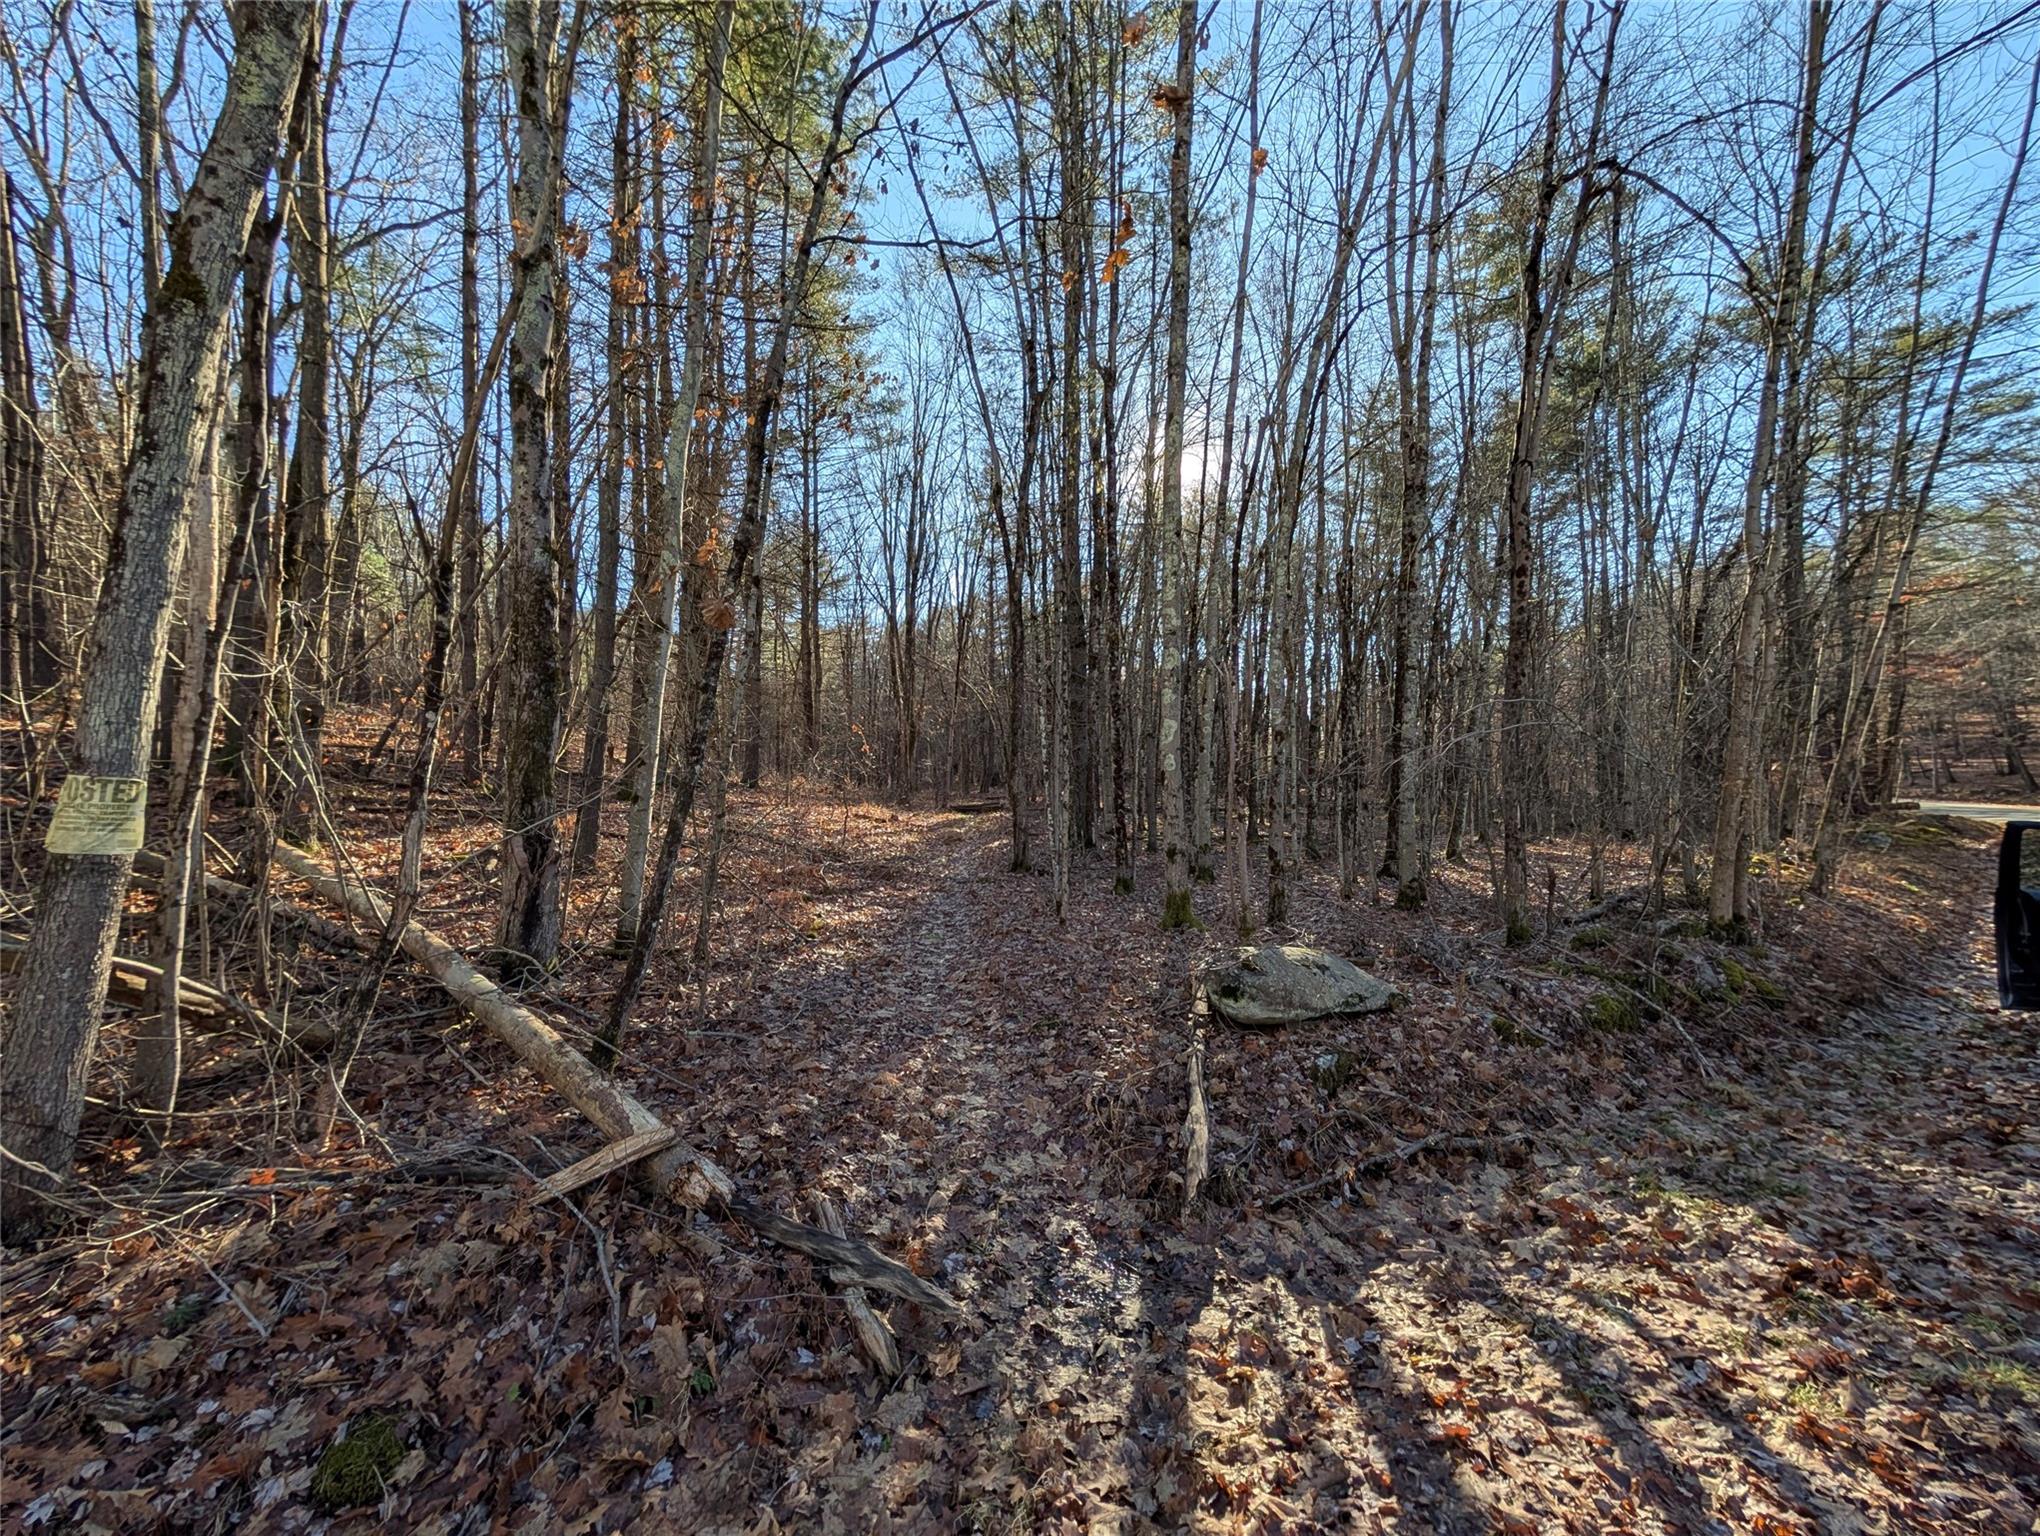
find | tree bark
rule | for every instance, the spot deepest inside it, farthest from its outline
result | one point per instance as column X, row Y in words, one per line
column 468, row 493
column 1543, row 310
column 28, row 656
column 528, row 934
column 1177, row 909
column 764, row 402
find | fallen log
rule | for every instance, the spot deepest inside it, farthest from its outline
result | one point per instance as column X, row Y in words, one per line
column 874, row 1334
column 324, row 932
column 1197, row 1123
column 679, row 1171
column 136, row 984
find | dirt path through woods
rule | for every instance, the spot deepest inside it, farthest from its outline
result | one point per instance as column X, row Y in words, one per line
column 1799, row 1299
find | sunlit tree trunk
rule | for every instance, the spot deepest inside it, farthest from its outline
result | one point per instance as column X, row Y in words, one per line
column 758, row 435
column 1850, row 757
column 1542, row 307
column 468, row 641
column 1413, row 323
column 28, row 653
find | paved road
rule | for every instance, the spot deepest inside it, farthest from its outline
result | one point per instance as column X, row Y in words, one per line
column 2001, row 811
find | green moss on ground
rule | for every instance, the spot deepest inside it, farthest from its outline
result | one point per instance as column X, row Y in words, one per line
column 353, row 1471
column 1610, row 1011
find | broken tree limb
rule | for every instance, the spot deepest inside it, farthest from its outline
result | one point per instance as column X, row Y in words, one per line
column 679, row 1171
column 134, row 984
column 874, row 1335
column 850, row 1262
column 618, row 1154
column 1196, row 1123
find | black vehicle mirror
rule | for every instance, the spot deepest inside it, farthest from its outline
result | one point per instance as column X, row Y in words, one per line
column 2017, row 915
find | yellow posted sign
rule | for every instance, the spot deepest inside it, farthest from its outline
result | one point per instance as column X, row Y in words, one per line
column 96, row 815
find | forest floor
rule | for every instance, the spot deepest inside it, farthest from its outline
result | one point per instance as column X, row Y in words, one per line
column 1741, row 1240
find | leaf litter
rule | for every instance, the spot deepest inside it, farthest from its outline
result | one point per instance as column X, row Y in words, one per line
column 1755, row 1248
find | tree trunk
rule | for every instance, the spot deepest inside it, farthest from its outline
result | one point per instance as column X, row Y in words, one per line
column 528, row 935
column 50, row 1033
column 468, row 494
column 623, row 277
column 308, row 545
column 1742, row 730
column 661, row 601
column 1177, row 910
column 1542, row 313
column 764, row 401
column 28, row 655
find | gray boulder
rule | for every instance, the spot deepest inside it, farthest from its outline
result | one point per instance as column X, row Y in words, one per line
column 1269, row 984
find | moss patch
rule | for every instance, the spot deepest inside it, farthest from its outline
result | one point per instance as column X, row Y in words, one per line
column 353, row 1471
column 1610, row 1011
column 1177, row 912
column 1741, row 979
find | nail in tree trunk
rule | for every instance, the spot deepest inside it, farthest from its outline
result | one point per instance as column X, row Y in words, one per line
column 50, row 1032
